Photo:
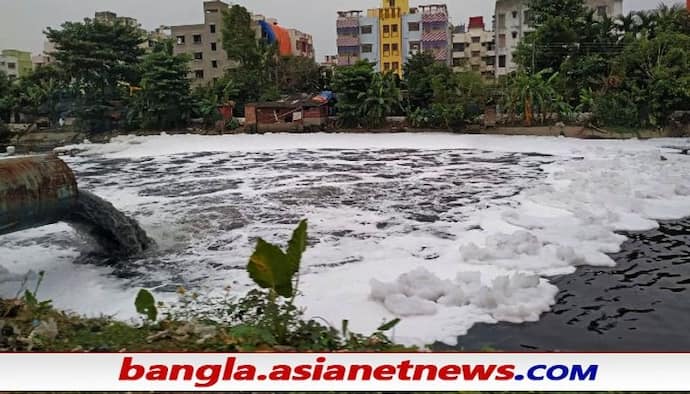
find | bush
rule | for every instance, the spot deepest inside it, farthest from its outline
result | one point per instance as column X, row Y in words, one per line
column 616, row 109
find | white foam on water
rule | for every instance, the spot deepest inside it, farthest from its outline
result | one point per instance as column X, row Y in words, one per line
column 492, row 265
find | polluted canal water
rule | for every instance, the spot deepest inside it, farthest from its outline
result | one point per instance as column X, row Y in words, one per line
column 41, row 190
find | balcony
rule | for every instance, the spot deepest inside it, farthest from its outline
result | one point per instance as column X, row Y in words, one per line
column 345, row 23
column 347, row 60
column 435, row 36
column 348, row 41
column 435, row 18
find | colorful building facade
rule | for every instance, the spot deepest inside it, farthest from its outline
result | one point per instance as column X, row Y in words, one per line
column 24, row 66
column 389, row 35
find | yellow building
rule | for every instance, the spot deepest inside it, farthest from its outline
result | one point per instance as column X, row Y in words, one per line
column 390, row 17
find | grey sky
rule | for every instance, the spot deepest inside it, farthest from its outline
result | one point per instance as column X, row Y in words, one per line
column 22, row 21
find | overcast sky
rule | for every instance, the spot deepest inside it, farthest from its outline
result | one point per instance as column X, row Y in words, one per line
column 22, row 21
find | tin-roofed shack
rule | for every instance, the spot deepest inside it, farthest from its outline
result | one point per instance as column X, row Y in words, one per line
column 296, row 114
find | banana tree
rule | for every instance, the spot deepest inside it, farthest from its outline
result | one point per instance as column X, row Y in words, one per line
column 381, row 99
column 534, row 92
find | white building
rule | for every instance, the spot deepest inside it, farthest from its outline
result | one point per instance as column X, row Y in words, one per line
column 512, row 21
column 10, row 66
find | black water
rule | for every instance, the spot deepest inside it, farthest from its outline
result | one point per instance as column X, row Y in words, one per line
column 642, row 304
column 117, row 234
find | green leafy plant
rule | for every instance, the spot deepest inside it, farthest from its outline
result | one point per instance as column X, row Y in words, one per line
column 146, row 305
column 272, row 269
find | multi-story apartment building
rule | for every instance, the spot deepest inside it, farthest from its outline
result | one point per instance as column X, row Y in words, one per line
column 389, row 35
column 204, row 42
column 17, row 60
column 110, row 17
column 474, row 48
column 44, row 58
column 10, row 66
column 513, row 23
column 348, row 41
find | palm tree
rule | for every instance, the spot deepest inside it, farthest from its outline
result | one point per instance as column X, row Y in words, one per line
column 669, row 17
column 630, row 24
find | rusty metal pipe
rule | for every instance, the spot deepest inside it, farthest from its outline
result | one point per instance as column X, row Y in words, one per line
column 35, row 191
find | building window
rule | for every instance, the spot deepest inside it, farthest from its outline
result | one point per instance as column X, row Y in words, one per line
column 386, row 66
column 490, row 46
column 502, row 21
column 12, row 66
column 367, row 29
column 413, row 26
column 214, row 63
column 367, row 48
column 198, row 56
column 199, row 74
column 490, row 61
column 476, row 40
column 212, row 11
column 457, row 62
column 386, row 49
column 180, row 40
column 515, row 35
column 213, row 29
column 515, row 14
column 501, row 40
column 394, row 29
column 214, row 46
column 395, row 50
column 396, row 66
column 197, row 38
column 459, row 46
column 502, row 61
column 386, row 30
column 476, row 53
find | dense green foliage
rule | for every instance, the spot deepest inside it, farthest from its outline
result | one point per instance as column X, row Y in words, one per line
column 631, row 71
column 349, row 82
column 164, row 100
column 100, row 60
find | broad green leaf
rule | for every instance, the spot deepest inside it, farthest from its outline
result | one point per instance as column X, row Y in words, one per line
column 146, row 304
column 297, row 245
column 270, row 268
column 387, row 326
column 30, row 298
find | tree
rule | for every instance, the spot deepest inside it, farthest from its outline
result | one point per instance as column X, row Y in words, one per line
column 99, row 59
column 418, row 79
column 239, row 39
column 44, row 92
column 165, row 100
column 544, row 10
column 531, row 94
column 348, row 83
column 379, row 100
column 255, row 77
column 6, row 99
column 655, row 72
column 297, row 74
